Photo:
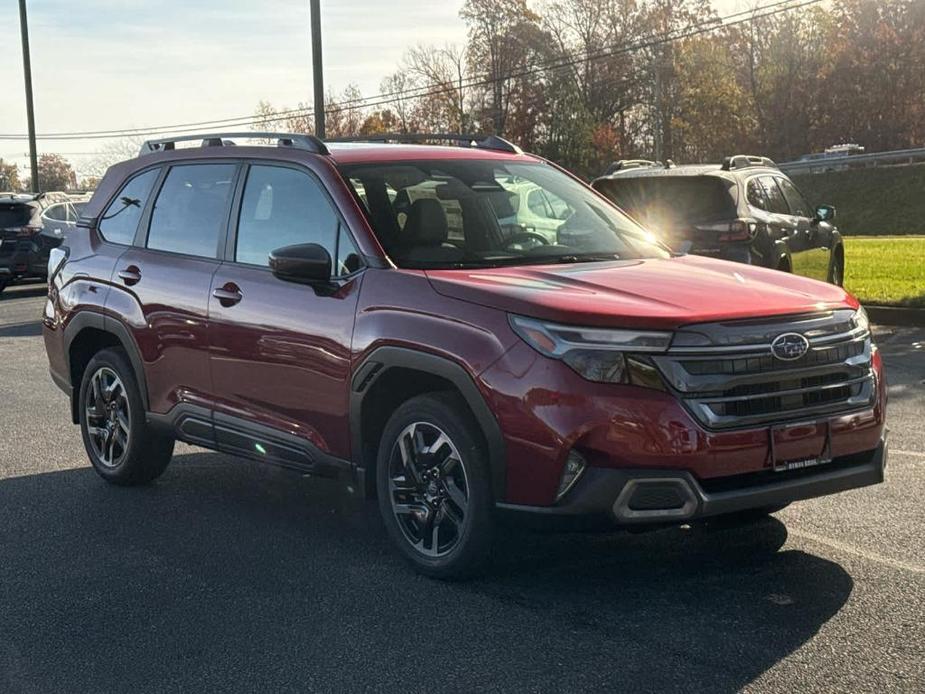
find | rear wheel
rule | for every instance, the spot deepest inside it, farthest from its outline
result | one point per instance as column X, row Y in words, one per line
column 121, row 446
column 3, row 285
column 434, row 488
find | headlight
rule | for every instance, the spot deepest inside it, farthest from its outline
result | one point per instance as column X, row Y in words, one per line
column 598, row 354
column 860, row 321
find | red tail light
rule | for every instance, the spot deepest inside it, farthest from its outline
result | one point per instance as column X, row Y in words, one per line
column 28, row 231
column 739, row 230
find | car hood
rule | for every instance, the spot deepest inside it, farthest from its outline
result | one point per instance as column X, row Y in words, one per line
column 657, row 293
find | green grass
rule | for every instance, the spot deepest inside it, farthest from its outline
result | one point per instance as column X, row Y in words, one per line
column 871, row 202
column 886, row 270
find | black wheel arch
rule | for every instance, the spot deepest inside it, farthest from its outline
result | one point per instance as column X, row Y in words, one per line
column 419, row 372
column 99, row 330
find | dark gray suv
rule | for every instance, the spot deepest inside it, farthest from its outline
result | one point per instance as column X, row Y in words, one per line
column 745, row 209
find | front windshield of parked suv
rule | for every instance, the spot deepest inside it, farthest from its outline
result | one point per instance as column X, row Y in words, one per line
column 478, row 213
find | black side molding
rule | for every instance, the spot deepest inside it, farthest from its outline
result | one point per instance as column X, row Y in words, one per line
column 383, row 359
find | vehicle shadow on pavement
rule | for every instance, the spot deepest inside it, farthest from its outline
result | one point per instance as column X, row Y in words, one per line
column 225, row 575
column 24, row 291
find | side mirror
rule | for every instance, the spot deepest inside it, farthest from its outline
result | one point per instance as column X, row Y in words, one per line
column 304, row 263
column 825, row 213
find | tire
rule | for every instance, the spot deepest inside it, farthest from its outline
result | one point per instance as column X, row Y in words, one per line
column 837, row 271
column 121, row 446
column 442, row 521
column 3, row 285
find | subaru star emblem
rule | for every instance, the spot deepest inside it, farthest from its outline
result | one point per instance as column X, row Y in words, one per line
column 789, row 346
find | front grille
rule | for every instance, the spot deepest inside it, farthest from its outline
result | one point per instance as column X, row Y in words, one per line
column 727, row 375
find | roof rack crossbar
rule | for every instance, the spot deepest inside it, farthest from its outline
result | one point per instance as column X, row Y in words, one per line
column 295, row 140
column 478, row 140
column 743, row 161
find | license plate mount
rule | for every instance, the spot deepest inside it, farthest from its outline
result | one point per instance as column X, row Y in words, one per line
column 778, row 458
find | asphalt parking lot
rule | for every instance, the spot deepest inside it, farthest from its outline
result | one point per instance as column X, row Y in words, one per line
column 229, row 576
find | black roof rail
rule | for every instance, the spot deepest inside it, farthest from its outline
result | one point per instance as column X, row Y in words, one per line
column 304, row 141
column 479, row 140
column 743, row 161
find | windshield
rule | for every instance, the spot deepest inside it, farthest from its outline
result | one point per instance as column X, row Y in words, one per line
column 474, row 213
column 661, row 202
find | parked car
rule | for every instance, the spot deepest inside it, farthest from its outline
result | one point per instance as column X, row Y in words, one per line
column 745, row 209
column 269, row 301
column 30, row 226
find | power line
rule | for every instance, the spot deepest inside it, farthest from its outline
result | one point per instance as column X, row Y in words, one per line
column 715, row 24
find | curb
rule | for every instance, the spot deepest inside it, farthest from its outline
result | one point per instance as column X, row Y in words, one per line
column 896, row 315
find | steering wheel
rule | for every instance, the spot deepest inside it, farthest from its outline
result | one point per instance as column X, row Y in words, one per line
column 522, row 240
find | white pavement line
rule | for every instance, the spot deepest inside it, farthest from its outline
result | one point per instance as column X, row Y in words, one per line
column 850, row 549
column 913, row 454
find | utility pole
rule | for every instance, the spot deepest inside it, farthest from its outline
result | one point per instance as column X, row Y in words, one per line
column 317, row 68
column 30, row 111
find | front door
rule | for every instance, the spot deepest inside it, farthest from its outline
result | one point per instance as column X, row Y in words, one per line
column 813, row 243
column 281, row 352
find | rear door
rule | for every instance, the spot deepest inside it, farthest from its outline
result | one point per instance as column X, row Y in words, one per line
column 164, row 282
column 281, row 352
column 813, row 244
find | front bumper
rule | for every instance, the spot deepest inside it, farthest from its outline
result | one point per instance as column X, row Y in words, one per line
column 625, row 497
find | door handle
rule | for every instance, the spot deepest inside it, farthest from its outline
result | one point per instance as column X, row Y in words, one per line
column 228, row 295
column 130, row 275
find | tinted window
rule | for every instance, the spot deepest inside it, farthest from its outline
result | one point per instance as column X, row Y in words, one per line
column 282, row 207
column 120, row 220
column 190, row 211
column 797, row 203
column 775, row 198
column 15, row 215
column 755, row 194
column 660, row 201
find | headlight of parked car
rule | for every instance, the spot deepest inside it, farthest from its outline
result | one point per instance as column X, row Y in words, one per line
column 603, row 355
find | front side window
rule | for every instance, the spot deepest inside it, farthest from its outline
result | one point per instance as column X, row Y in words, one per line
column 465, row 213
column 795, row 200
column 191, row 210
column 119, row 222
column 284, row 207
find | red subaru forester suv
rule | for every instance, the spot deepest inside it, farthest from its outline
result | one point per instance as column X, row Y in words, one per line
column 387, row 314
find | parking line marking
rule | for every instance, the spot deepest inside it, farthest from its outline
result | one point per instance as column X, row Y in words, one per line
column 850, row 549
column 914, row 454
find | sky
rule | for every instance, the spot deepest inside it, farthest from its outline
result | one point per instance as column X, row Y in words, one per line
column 107, row 64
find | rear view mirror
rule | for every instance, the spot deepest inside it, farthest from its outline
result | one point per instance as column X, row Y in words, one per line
column 825, row 213
column 304, row 263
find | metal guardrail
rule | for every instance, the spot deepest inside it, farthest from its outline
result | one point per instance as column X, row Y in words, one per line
column 851, row 161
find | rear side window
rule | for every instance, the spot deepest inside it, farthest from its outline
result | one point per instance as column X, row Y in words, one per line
column 754, row 193
column 191, row 209
column 283, row 207
column 776, row 202
column 795, row 200
column 119, row 222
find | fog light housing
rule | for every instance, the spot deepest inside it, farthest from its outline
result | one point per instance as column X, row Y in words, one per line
column 575, row 466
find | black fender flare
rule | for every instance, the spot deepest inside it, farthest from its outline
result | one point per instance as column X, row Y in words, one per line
column 106, row 324
column 382, row 359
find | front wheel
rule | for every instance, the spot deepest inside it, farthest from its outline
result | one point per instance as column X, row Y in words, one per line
column 121, row 446
column 434, row 488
